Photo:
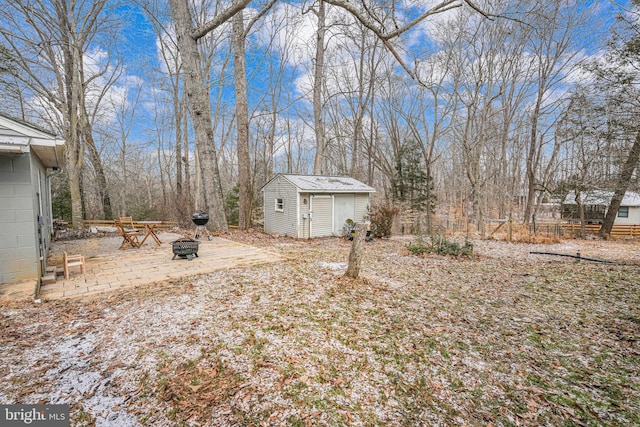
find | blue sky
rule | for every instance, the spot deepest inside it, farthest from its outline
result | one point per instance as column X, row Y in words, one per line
column 137, row 46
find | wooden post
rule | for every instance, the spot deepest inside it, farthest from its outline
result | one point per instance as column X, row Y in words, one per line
column 355, row 256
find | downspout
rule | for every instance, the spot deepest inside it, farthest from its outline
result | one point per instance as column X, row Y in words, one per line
column 54, row 171
column 333, row 213
column 310, row 216
column 298, row 216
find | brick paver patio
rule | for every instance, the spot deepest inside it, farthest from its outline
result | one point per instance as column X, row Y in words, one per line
column 109, row 269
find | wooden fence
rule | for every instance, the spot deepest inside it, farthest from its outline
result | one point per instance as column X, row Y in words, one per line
column 510, row 230
column 164, row 225
column 618, row 231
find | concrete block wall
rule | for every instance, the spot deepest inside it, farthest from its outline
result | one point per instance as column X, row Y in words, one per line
column 18, row 251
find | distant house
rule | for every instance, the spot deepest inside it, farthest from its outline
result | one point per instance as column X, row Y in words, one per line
column 305, row 206
column 596, row 204
column 28, row 154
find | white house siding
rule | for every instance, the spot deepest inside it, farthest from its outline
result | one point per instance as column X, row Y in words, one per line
column 283, row 223
column 18, row 253
column 633, row 219
column 361, row 207
column 321, row 215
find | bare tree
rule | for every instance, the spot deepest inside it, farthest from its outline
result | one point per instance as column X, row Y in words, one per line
column 49, row 41
column 555, row 29
column 200, row 106
column 245, row 196
column 320, row 162
column 156, row 11
column 622, row 74
column 582, row 126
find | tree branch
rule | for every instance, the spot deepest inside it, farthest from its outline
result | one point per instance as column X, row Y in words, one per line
column 397, row 56
column 258, row 16
column 218, row 20
column 442, row 7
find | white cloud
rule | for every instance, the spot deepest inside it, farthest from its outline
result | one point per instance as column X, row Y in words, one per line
column 168, row 55
column 289, row 31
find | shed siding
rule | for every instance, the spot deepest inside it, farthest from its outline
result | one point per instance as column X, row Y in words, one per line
column 304, row 211
column 18, row 252
column 284, row 223
column 361, row 207
column 321, row 215
column 343, row 209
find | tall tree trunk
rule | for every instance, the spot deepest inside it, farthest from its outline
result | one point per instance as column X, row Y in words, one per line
column 188, row 200
column 531, row 162
column 245, row 195
column 73, row 149
column 177, row 108
column 621, row 186
column 200, row 115
column 86, row 132
column 319, row 164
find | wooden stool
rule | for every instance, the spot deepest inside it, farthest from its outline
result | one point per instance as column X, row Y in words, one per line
column 73, row 261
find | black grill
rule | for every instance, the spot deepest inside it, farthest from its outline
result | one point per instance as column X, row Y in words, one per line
column 200, row 218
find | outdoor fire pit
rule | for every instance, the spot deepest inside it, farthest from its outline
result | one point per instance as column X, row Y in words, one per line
column 185, row 248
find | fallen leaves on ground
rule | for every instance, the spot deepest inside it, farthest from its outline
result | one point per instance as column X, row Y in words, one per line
column 502, row 338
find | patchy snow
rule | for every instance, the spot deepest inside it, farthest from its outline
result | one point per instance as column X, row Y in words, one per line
column 416, row 341
column 333, row 265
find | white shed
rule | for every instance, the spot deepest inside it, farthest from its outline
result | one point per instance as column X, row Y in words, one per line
column 305, row 206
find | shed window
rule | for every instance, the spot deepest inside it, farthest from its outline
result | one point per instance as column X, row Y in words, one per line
column 623, row 212
column 279, row 205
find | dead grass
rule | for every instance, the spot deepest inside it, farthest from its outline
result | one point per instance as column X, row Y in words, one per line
column 503, row 338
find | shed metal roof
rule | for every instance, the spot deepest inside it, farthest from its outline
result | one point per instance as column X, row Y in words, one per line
column 326, row 184
column 602, row 198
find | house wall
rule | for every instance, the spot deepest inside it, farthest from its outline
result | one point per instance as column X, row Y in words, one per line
column 19, row 258
column 283, row 223
column 633, row 219
column 42, row 210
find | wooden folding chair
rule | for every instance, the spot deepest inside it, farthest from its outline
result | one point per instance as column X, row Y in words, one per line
column 127, row 223
column 73, row 261
column 129, row 237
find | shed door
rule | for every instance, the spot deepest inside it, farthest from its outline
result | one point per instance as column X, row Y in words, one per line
column 343, row 209
column 321, row 216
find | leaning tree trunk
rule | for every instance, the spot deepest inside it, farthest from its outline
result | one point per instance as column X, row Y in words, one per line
column 621, row 187
column 200, row 109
